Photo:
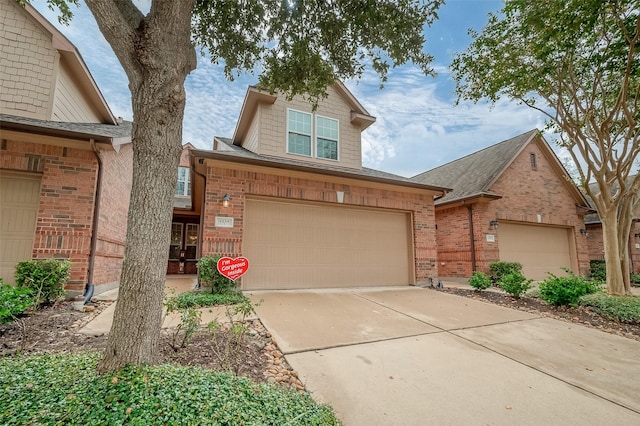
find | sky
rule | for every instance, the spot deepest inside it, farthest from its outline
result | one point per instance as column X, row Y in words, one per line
column 418, row 126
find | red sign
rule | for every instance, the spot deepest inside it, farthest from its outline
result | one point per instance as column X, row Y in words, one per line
column 233, row 268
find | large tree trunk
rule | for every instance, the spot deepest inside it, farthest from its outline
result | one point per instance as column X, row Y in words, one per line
column 614, row 254
column 157, row 55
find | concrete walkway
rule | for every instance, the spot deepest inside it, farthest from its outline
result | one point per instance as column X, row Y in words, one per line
column 413, row 356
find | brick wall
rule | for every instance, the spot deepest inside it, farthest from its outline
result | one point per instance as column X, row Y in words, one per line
column 63, row 227
column 239, row 184
column 28, row 63
column 112, row 225
column 526, row 193
column 596, row 244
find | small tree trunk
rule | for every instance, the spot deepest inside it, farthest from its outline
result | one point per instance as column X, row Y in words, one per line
column 614, row 257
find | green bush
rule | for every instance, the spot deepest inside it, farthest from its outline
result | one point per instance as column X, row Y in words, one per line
column 566, row 290
column 479, row 281
column 598, row 270
column 515, row 284
column 210, row 277
column 618, row 308
column 13, row 301
column 501, row 268
column 65, row 389
column 46, row 277
column 200, row 299
column 635, row 280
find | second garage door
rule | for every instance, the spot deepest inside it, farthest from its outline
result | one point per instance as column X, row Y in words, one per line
column 540, row 249
column 295, row 246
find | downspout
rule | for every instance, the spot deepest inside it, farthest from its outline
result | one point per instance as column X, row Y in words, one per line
column 472, row 239
column 200, row 227
column 89, row 288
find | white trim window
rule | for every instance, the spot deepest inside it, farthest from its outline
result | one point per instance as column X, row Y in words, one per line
column 183, row 187
column 304, row 127
column 298, row 133
column 326, row 138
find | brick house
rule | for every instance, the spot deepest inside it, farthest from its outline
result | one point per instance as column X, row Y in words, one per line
column 511, row 201
column 288, row 191
column 65, row 160
column 595, row 238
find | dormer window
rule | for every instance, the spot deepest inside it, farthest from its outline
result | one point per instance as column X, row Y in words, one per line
column 303, row 127
column 183, row 187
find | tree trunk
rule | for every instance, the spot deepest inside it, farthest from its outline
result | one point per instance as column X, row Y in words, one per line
column 157, row 55
column 613, row 255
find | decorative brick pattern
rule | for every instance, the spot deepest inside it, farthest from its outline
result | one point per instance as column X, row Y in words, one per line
column 241, row 183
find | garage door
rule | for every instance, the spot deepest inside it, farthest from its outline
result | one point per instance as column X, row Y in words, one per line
column 540, row 249
column 294, row 246
column 19, row 199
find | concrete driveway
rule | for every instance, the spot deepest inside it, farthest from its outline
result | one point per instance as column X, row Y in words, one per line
column 413, row 356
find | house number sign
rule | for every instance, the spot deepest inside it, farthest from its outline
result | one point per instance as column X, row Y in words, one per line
column 233, row 268
column 224, row 222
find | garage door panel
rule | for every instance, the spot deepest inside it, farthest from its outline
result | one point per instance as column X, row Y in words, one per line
column 293, row 245
column 540, row 249
column 19, row 201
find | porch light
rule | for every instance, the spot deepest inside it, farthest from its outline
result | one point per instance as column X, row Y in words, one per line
column 493, row 224
column 225, row 200
column 584, row 232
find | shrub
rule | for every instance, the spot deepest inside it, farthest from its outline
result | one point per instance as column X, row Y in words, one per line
column 46, row 277
column 566, row 290
column 65, row 389
column 13, row 301
column 515, row 284
column 210, row 277
column 618, row 308
column 598, row 270
column 200, row 299
column 479, row 281
column 635, row 280
column 501, row 268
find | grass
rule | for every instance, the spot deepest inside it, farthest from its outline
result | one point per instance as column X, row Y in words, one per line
column 201, row 299
column 618, row 308
column 65, row 389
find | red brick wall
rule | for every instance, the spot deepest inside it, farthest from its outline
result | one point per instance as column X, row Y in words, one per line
column 526, row 193
column 65, row 215
column 635, row 245
column 240, row 183
column 112, row 226
column 596, row 244
column 63, row 228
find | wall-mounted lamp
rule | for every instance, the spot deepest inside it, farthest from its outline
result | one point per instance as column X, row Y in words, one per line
column 493, row 224
column 584, row 232
column 225, row 200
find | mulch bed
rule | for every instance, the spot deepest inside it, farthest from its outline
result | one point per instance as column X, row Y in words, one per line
column 578, row 315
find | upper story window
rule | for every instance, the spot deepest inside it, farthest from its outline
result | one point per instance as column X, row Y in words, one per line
column 183, row 187
column 301, row 132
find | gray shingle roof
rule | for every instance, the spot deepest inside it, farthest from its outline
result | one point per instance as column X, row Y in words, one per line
column 594, row 218
column 472, row 175
column 109, row 133
column 233, row 151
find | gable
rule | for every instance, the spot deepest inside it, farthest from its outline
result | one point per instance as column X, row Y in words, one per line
column 44, row 76
column 266, row 119
column 533, row 185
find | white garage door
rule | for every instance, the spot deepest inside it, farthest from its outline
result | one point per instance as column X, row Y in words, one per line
column 293, row 246
column 19, row 199
column 540, row 249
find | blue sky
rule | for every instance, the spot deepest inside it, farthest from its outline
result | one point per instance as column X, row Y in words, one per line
column 418, row 125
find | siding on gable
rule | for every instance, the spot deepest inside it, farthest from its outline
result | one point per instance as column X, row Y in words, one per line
column 70, row 103
column 28, row 62
column 273, row 129
column 252, row 142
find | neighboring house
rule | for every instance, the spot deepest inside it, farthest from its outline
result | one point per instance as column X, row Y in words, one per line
column 511, row 201
column 300, row 206
column 596, row 243
column 65, row 161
